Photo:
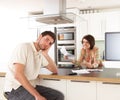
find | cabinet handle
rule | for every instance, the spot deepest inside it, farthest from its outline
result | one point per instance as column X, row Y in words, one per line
column 110, row 83
column 51, row 79
column 80, row 81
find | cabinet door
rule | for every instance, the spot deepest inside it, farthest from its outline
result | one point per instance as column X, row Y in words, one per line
column 108, row 91
column 95, row 24
column 58, row 84
column 113, row 21
column 81, row 90
column 2, row 81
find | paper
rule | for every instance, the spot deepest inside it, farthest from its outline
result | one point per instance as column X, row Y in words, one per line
column 65, row 53
column 94, row 70
column 81, row 71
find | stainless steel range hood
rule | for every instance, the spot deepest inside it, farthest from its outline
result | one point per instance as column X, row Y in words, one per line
column 54, row 12
column 55, row 19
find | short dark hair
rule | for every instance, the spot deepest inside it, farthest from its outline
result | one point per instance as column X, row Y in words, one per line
column 90, row 39
column 50, row 34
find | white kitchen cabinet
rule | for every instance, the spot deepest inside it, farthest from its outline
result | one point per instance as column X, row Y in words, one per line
column 58, row 84
column 113, row 21
column 95, row 24
column 2, row 81
column 99, row 23
column 81, row 90
column 108, row 91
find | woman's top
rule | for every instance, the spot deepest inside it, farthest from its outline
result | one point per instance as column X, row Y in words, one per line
column 90, row 56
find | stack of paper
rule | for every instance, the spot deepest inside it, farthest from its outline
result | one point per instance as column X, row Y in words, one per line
column 94, row 70
column 81, row 71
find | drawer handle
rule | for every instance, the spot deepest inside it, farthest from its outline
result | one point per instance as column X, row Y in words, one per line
column 110, row 83
column 80, row 81
column 51, row 79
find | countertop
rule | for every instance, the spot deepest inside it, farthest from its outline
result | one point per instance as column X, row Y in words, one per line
column 107, row 75
column 2, row 74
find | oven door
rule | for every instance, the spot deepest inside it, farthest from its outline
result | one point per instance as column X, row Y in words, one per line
column 66, row 36
column 62, row 62
column 66, row 33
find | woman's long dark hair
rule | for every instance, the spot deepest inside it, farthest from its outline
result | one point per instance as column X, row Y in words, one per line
column 90, row 39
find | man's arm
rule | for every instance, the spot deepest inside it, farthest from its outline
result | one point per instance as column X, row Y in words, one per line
column 51, row 66
column 21, row 78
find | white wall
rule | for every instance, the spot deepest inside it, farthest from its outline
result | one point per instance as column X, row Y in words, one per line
column 13, row 30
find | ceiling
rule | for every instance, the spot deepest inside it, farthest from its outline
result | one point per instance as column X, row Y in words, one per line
column 37, row 5
column 93, row 4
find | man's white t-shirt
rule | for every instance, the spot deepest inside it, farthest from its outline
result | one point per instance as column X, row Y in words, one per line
column 27, row 55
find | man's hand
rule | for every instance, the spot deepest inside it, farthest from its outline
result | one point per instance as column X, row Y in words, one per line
column 39, row 97
column 44, row 52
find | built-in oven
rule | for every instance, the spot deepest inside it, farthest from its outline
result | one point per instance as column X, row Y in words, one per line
column 66, row 36
column 65, row 33
column 62, row 62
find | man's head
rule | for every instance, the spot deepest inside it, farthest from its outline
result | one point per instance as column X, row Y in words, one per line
column 46, row 39
column 51, row 34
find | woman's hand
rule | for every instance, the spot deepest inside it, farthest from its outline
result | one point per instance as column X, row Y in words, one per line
column 85, row 64
column 65, row 57
column 89, row 65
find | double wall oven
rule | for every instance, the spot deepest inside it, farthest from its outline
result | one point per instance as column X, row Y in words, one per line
column 66, row 36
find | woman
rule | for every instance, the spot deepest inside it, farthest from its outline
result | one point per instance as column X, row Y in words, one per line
column 89, row 56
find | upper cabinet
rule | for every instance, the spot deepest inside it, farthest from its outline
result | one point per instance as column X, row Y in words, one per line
column 95, row 24
column 113, row 21
column 99, row 23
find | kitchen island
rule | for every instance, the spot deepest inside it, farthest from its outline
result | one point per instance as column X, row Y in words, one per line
column 107, row 75
column 96, row 85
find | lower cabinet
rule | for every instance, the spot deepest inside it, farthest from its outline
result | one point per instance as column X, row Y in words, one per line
column 81, row 90
column 2, row 81
column 58, row 84
column 108, row 91
column 84, row 90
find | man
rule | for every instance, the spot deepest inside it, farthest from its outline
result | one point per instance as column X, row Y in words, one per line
column 24, row 67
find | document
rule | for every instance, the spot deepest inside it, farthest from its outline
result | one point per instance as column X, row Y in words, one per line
column 81, row 71
column 65, row 53
column 94, row 70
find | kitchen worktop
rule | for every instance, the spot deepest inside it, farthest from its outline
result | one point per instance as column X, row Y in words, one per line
column 2, row 74
column 107, row 75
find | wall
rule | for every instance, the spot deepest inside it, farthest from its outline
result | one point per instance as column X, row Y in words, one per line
column 101, row 45
column 13, row 29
